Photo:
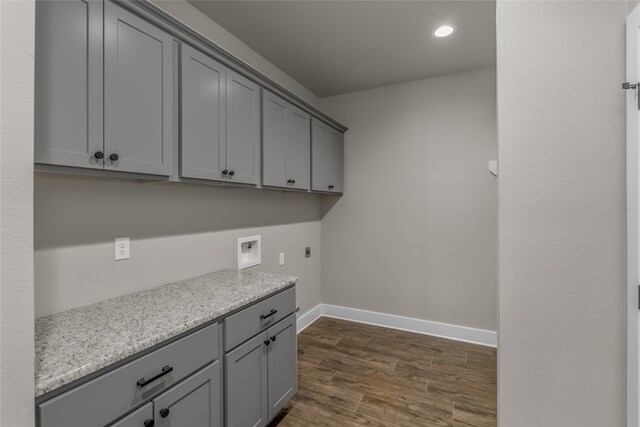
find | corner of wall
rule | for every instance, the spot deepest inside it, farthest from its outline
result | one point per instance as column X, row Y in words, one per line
column 17, row 46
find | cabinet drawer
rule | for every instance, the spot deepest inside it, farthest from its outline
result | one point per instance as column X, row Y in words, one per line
column 248, row 322
column 107, row 397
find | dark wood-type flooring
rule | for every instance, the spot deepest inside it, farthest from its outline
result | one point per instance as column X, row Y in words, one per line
column 356, row 374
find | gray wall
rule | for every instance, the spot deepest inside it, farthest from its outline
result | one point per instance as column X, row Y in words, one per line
column 561, row 116
column 189, row 15
column 177, row 231
column 17, row 33
column 416, row 231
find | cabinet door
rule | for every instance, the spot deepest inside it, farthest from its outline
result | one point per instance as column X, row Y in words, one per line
column 193, row 403
column 299, row 163
column 203, row 116
column 246, row 383
column 68, row 83
column 243, row 129
column 320, row 156
column 326, row 157
column 275, row 140
column 138, row 94
column 336, row 144
column 137, row 418
column 283, row 382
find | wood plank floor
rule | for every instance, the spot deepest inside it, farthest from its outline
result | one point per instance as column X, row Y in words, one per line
column 356, row 374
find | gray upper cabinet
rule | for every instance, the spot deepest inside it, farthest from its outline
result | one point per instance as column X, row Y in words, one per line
column 299, row 164
column 285, row 143
column 326, row 158
column 282, row 364
column 68, row 83
column 220, row 122
column 246, row 383
column 117, row 93
column 193, row 403
column 138, row 88
column 203, row 144
column 275, row 140
column 243, row 129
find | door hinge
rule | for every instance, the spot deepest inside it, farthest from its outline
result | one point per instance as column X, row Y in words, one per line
column 638, row 297
column 634, row 86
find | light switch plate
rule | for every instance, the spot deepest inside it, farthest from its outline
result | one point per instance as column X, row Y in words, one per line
column 281, row 258
column 122, row 248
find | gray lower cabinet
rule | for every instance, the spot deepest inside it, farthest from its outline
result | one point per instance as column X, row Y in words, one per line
column 261, row 375
column 220, row 121
column 142, row 417
column 252, row 320
column 106, row 398
column 281, row 364
column 246, row 383
column 180, row 384
column 68, row 83
column 326, row 157
column 286, row 142
column 193, row 403
column 138, row 94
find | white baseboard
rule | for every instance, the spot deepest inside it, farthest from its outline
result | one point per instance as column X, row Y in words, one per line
column 443, row 330
column 308, row 317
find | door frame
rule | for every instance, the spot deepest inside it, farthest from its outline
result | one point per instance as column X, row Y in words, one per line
column 633, row 236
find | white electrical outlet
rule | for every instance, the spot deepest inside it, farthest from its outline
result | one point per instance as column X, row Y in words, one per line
column 281, row 258
column 122, row 248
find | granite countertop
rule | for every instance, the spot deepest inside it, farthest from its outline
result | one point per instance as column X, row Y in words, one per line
column 75, row 343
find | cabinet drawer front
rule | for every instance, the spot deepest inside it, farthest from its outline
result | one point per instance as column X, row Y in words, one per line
column 105, row 398
column 248, row 322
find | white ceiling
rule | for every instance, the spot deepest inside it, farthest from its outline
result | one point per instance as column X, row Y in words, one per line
column 334, row 47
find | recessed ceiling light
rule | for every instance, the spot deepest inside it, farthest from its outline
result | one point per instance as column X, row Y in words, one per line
column 444, row 31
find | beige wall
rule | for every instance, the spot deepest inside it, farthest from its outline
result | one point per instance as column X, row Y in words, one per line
column 561, row 116
column 201, row 23
column 416, row 231
column 177, row 231
column 17, row 30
